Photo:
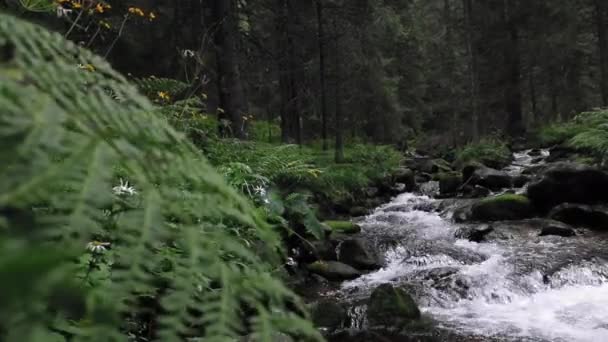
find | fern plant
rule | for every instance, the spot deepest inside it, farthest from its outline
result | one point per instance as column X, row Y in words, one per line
column 178, row 243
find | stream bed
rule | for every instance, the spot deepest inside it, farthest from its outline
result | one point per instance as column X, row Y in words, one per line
column 516, row 286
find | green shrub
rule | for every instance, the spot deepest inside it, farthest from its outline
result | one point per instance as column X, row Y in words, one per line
column 556, row 134
column 263, row 131
column 490, row 152
column 175, row 237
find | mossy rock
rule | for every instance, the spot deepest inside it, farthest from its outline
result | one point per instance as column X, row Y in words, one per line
column 344, row 227
column 502, row 208
column 391, row 307
column 333, row 270
column 449, row 182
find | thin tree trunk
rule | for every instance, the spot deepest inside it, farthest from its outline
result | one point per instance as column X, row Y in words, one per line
column 515, row 125
column 232, row 95
column 296, row 120
column 600, row 18
column 339, row 148
column 321, row 39
column 532, row 86
column 473, row 77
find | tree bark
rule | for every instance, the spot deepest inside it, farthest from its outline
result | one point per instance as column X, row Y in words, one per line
column 515, row 126
column 473, row 68
column 321, row 39
column 600, row 19
column 231, row 93
column 339, row 148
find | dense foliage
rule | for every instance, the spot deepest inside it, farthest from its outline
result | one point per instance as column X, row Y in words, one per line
column 87, row 162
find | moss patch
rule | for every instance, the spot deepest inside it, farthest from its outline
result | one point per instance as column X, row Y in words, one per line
column 344, row 227
column 508, row 198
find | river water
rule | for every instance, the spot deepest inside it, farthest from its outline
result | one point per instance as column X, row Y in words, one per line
column 517, row 286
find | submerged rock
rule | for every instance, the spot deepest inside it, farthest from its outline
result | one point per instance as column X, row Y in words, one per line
column 476, row 234
column 569, row 183
column 358, row 253
column 503, row 207
column 334, row 270
column 552, row 227
column 391, row 306
column 590, row 216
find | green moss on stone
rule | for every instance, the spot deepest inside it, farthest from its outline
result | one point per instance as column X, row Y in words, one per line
column 344, row 227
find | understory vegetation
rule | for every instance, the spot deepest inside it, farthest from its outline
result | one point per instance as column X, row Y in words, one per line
column 185, row 206
column 587, row 133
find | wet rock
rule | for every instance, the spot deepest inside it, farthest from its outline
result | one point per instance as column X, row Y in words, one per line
column 391, row 306
column 334, row 270
column 476, row 191
column 358, row 253
column 358, row 211
column 371, row 191
column 535, row 152
column 561, row 152
column 475, row 234
column 520, row 181
column 569, row 183
column 590, row 216
column 449, row 183
column 551, row 227
column 502, row 208
column 398, row 188
column 317, row 250
column 405, row 176
column 537, row 160
column 463, row 213
column 328, row 313
column 489, row 178
column 423, row 177
column 428, row 165
column 343, row 227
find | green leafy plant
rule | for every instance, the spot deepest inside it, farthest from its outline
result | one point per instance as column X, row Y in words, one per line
column 177, row 236
column 489, row 151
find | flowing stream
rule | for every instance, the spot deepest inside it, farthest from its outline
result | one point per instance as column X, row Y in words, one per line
column 517, row 286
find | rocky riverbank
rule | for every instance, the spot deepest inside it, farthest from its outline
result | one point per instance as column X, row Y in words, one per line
column 466, row 253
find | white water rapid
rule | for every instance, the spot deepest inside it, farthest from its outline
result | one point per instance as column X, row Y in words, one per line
column 516, row 286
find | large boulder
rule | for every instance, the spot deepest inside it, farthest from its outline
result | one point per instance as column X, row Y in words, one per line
column 334, row 270
column 502, row 208
column 392, row 307
column 569, row 183
column 328, row 313
column 449, row 183
column 428, row 165
column 405, row 176
column 358, row 253
column 486, row 177
column 552, row 227
column 317, row 250
column 590, row 216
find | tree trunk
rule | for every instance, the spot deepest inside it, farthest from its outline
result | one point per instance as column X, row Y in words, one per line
column 231, row 93
column 321, row 39
column 600, row 18
column 339, row 148
column 532, row 86
column 290, row 121
column 513, row 101
column 473, row 68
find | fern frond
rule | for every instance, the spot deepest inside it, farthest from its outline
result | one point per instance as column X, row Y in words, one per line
column 182, row 241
